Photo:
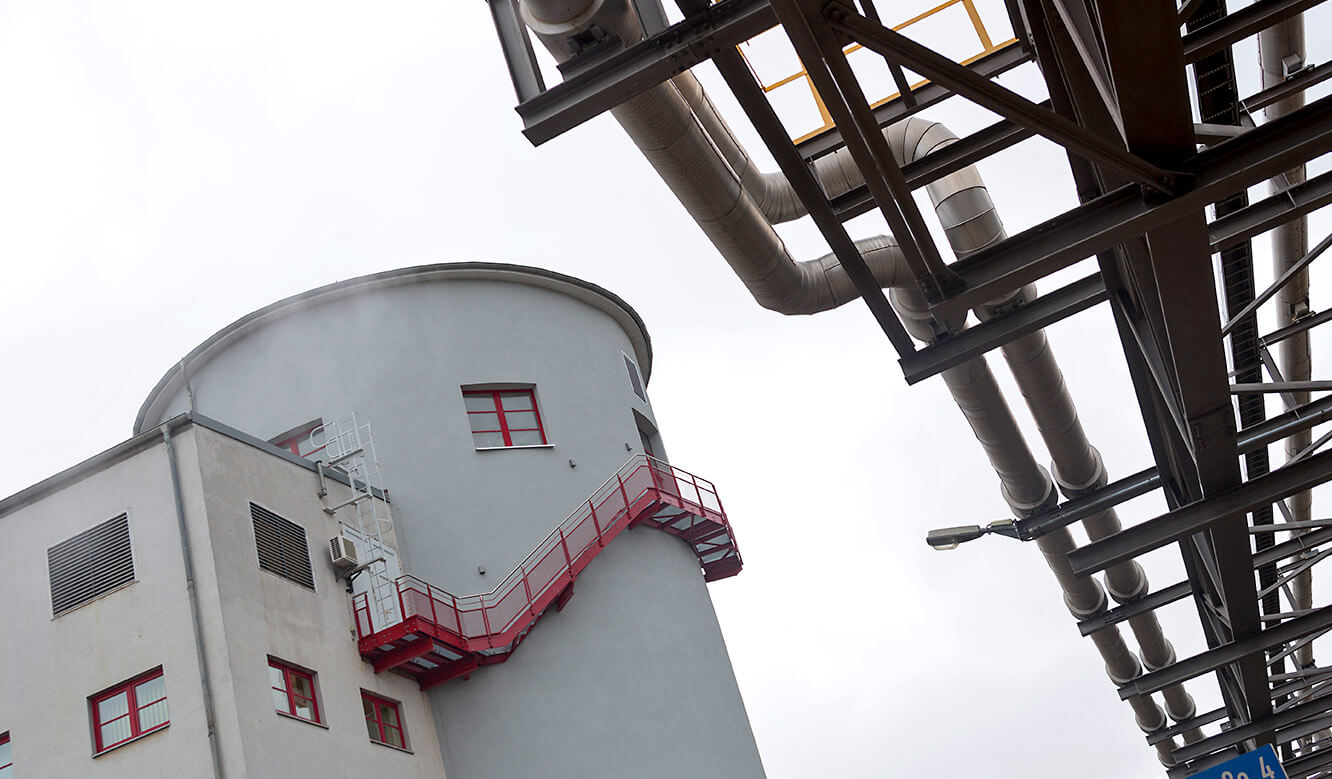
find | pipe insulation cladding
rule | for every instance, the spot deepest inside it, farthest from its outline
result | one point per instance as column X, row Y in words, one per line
column 679, row 130
column 1281, row 52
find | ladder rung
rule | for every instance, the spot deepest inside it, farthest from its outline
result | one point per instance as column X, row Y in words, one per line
column 346, row 456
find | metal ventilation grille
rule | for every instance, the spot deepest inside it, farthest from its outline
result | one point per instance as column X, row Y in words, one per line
column 283, row 548
column 91, row 563
column 634, row 378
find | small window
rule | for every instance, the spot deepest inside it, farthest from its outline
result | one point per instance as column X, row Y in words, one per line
column 293, row 691
column 503, row 418
column 90, row 564
column 283, row 548
column 129, row 710
column 383, row 722
column 635, row 378
column 6, row 758
column 300, row 441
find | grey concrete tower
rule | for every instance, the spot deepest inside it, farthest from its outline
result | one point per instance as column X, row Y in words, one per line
column 632, row 678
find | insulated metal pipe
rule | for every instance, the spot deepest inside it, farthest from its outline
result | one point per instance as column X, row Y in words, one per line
column 1028, row 488
column 1078, row 470
column 679, row 131
column 1281, row 51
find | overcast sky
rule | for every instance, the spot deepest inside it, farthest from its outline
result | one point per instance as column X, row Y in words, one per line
column 166, row 168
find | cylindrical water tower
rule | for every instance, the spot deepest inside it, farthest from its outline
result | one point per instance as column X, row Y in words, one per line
column 632, row 677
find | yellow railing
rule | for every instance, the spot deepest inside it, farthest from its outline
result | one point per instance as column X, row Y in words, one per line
column 977, row 25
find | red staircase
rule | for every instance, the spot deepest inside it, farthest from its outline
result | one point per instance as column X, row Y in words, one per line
column 444, row 636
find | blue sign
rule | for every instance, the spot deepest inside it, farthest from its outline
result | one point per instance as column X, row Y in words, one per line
column 1261, row 763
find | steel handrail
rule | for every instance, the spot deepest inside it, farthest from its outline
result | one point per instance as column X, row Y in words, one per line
column 488, row 601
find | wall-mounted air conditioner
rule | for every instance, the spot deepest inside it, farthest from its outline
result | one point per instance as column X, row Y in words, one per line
column 343, row 553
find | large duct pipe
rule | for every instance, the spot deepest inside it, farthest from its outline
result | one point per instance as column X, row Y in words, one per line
column 684, row 138
column 1028, row 488
column 1078, row 470
column 1281, row 51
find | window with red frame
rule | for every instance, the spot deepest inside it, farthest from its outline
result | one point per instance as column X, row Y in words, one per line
column 503, row 418
column 6, row 758
column 293, row 691
column 383, row 721
column 129, row 710
column 299, row 441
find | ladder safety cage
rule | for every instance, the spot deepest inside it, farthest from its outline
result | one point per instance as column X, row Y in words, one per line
column 349, row 446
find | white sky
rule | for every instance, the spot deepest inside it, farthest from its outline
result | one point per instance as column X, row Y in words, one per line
column 166, row 168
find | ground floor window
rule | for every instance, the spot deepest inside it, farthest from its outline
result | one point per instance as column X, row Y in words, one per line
column 130, row 709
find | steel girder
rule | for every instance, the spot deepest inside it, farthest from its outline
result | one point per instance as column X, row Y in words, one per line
column 1119, row 105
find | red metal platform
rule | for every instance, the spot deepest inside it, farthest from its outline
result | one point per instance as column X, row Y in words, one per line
column 444, row 636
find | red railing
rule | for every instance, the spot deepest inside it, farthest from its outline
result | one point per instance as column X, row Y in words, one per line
column 495, row 619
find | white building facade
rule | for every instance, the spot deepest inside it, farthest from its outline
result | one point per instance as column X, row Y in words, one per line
column 503, row 398
column 116, row 686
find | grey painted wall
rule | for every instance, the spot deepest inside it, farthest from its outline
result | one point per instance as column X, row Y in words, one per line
column 634, row 675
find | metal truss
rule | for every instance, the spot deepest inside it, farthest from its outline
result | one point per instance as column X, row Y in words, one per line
column 1153, row 210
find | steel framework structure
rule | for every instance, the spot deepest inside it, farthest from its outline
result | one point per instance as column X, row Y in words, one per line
column 1117, row 75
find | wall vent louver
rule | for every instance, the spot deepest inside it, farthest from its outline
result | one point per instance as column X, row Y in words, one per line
column 90, row 564
column 283, row 547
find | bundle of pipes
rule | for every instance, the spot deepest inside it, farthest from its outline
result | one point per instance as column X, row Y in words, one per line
column 680, row 132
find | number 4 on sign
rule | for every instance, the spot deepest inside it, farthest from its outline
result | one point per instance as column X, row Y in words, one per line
column 1261, row 763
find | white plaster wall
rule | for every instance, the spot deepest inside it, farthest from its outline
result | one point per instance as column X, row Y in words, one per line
column 51, row 666
column 400, row 355
column 54, row 665
column 264, row 614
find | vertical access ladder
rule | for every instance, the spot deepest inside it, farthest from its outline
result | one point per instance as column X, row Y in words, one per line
column 350, row 447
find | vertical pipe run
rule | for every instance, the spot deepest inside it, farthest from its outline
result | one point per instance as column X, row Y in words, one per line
column 1281, row 50
column 205, row 680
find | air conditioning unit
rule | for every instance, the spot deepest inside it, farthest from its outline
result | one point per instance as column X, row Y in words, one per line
column 343, row 553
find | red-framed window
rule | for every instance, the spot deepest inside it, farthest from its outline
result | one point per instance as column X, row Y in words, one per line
column 298, row 441
column 504, row 418
column 129, row 710
column 293, row 691
column 6, row 757
column 383, row 720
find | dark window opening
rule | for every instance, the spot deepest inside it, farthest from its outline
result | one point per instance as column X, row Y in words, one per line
column 635, row 378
